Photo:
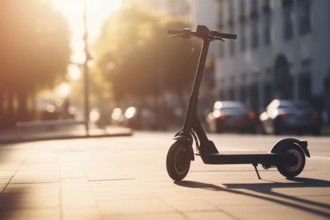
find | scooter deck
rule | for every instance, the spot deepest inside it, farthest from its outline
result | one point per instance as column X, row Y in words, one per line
column 245, row 158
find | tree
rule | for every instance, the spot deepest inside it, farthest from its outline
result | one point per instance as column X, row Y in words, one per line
column 34, row 51
column 134, row 54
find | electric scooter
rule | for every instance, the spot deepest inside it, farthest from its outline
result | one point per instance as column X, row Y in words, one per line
column 288, row 154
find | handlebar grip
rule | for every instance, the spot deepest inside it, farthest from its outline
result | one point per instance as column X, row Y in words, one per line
column 228, row 36
column 224, row 35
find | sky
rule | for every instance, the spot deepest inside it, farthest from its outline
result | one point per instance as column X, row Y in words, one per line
column 97, row 11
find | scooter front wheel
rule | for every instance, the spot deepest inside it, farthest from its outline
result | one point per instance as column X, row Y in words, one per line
column 178, row 161
column 293, row 169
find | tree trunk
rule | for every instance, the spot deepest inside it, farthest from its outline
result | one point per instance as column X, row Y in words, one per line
column 34, row 107
column 2, row 107
column 10, row 111
column 22, row 111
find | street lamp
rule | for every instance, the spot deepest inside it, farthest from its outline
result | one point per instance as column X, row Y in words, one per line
column 86, row 72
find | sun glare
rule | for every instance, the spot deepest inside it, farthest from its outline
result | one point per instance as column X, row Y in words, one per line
column 63, row 90
column 97, row 11
column 74, row 72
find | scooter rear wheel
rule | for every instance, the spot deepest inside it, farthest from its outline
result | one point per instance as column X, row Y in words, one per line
column 178, row 161
column 293, row 169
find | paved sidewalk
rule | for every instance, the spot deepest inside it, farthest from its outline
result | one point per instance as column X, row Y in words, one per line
column 126, row 178
column 61, row 132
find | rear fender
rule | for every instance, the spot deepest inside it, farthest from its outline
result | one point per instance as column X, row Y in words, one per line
column 282, row 144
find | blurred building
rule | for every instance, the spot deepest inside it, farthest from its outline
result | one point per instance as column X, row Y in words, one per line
column 282, row 49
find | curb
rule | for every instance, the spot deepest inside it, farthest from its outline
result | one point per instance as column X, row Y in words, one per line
column 14, row 137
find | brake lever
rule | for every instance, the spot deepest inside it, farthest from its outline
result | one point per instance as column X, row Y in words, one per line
column 219, row 38
column 212, row 38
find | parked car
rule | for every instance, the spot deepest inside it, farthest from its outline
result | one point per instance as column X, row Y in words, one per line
column 231, row 116
column 286, row 115
column 140, row 118
column 118, row 116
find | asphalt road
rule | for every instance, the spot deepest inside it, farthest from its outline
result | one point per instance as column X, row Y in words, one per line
column 126, row 178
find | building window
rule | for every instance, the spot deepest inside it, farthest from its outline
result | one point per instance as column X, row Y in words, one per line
column 242, row 10
column 287, row 19
column 305, row 81
column 266, row 5
column 304, row 10
column 231, row 26
column 268, row 92
column 267, row 87
column 221, row 27
column 267, row 22
column 242, row 26
column 267, row 29
column 305, row 86
column 254, row 8
column 242, row 37
column 220, row 15
column 254, row 33
column 254, row 24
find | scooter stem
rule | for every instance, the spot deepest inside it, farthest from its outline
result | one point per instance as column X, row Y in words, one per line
column 193, row 100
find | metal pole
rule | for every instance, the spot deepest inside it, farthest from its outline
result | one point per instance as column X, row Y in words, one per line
column 86, row 73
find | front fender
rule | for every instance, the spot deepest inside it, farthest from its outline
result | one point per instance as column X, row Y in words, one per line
column 282, row 144
column 187, row 141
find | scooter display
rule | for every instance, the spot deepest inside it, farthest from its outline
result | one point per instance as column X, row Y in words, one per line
column 288, row 154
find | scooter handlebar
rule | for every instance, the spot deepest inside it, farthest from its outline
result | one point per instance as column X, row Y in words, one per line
column 202, row 33
column 223, row 35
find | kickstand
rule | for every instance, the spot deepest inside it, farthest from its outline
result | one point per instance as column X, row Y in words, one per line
column 255, row 168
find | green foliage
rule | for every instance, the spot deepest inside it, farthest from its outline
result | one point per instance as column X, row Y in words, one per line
column 137, row 57
column 34, row 51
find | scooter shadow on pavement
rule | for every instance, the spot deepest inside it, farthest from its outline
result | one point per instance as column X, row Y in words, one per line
column 11, row 202
column 257, row 189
